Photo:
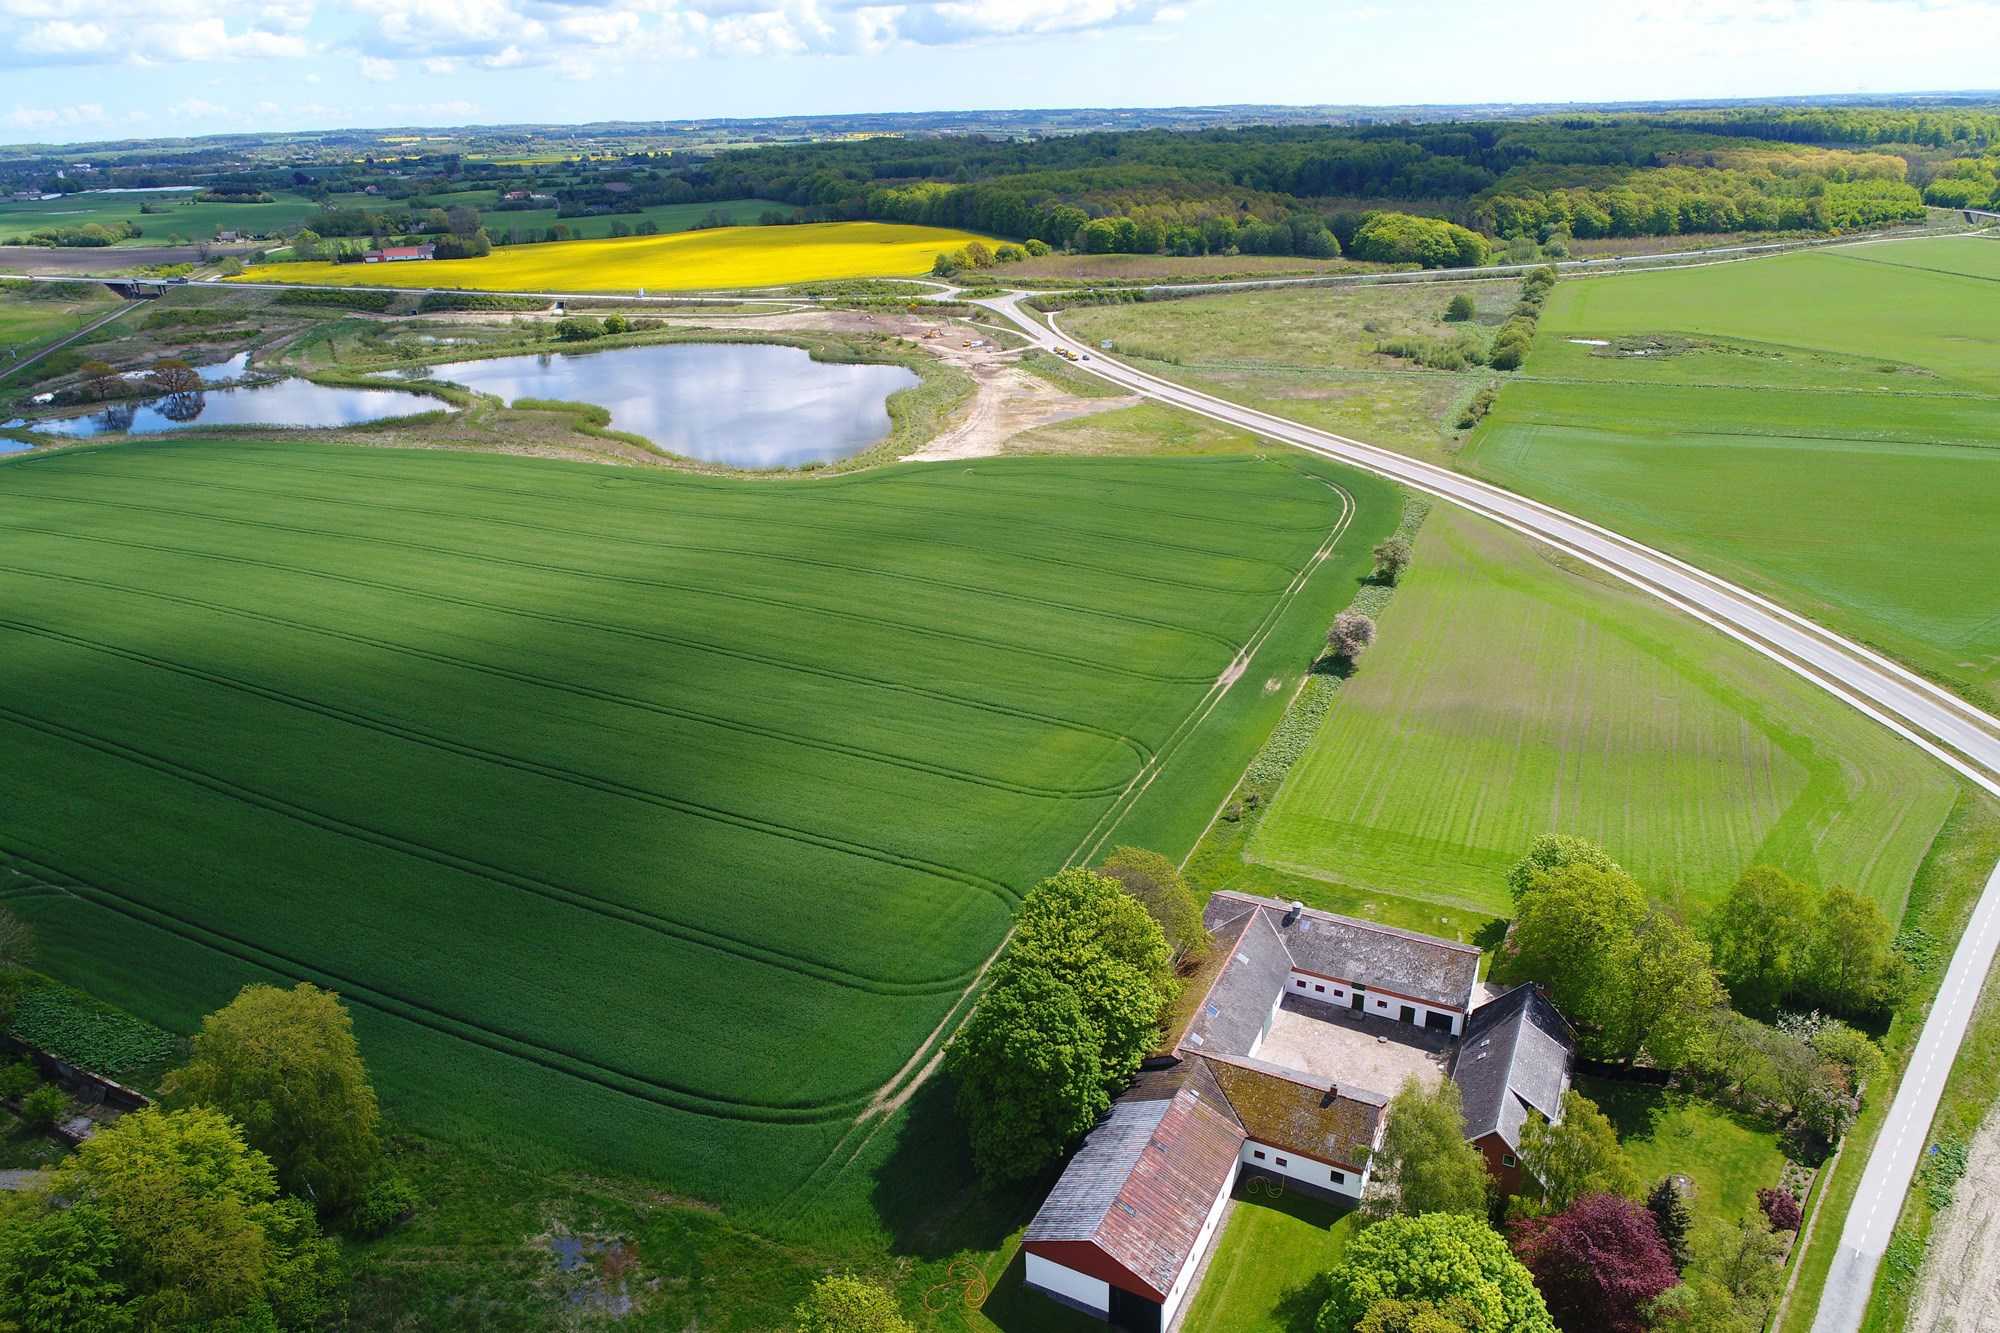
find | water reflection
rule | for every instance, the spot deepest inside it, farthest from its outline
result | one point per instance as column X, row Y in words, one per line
column 284, row 403
column 744, row 404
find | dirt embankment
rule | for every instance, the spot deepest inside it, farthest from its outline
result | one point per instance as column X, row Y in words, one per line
column 1959, row 1290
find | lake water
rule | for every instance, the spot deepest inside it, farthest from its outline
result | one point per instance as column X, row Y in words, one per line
column 283, row 403
column 747, row 405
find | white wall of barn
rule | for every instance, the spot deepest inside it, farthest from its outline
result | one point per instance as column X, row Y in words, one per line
column 1172, row 1304
column 1284, row 1162
column 1307, row 986
column 1091, row 1292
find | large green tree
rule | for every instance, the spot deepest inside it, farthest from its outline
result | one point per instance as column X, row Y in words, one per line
column 1449, row 1261
column 285, row 1066
column 1573, row 935
column 1424, row 1164
column 1576, row 1155
column 1758, row 933
column 1670, row 993
column 190, row 1216
column 1552, row 852
column 58, row 1272
column 1073, row 1007
column 1849, row 966
column 1158, row 886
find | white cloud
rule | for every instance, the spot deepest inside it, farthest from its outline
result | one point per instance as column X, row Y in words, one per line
column 376, row 70
column 196, row 108
column 44, row 117
column 152, row 32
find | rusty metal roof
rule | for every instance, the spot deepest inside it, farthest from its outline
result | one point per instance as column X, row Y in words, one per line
column 1144, row 1181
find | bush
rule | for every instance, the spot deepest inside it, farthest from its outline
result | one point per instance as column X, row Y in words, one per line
column 1476, row 410
column 1036, row 249
column 388, row 1201
column 1780, row 1209
column 1399, row 238
column 1460, row 309
column 18, row 1078
column 578, row 328
column 844, row 1303
column 44, row 1106
column 434, row 302
column 1507, row 355
column 372, row 302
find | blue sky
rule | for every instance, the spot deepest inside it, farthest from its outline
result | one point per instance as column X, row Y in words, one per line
column 171, row 67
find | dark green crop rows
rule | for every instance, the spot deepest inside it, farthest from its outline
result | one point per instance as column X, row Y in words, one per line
column 654, row 816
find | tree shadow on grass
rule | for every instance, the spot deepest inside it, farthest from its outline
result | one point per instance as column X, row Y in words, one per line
column 926, row 1194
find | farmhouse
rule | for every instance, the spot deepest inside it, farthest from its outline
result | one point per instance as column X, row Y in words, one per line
column 398, row 254
column 1284, row 1068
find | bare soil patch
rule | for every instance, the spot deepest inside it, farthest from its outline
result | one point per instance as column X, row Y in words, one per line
column 1957, row 1292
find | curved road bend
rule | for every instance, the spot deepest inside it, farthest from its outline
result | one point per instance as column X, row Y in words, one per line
column 1961, row 736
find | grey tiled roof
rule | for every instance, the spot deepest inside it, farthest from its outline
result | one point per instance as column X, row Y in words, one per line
column 1516, row 1056
column 1379, row 957
column 1231, row 1017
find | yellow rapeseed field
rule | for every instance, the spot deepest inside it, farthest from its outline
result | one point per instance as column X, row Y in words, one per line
column 678, row 262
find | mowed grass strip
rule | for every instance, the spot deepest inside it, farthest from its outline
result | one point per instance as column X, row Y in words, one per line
column 1510, row 696
column 699, row 801
column 1823, row 427
column 685, row 261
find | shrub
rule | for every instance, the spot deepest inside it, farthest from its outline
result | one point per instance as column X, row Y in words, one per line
column 1350, row 635
column 1780, row 1209
column 1507, row 355
column 1476, row 410
column 578, row 328
column 388, row 1201
column 1392, row 557
column 437, row 301
column 1036, row 249
column 844, row 1303
column 18, row 1078
column 373, row 302
column 1460, row 309
column 44, row 1106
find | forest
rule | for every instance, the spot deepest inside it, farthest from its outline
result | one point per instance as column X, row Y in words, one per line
column 1308, row 190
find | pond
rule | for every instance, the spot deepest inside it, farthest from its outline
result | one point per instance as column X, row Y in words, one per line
column 747, row 405
column 283, row 403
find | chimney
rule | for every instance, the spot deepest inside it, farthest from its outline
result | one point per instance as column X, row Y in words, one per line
column 1292, row 912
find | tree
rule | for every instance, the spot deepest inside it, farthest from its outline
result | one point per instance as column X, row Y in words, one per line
column 1157, row 885
column 44, row 1106
column 285, row 1066
column 1425, row 1165
column 461, row 220
column 172, row 375
column 1508, row 353
column 1731, row 1281
column 847, row 1304
column 305, row 244
column 58, row 1273
column 1461, row 308
column 1848, row 965
column 100, row 379
column 1758, row 934
column 203, row 1235
column 1436, row 1259
column 1573, row 934
column 1670, row 1214
column 1552, row 852
column 1781, row 1209
column 1393, row 1316
column 1670, row 994
column 1392, row 557
column 1577, row 1155
column 1074, row 1005
column 1599, row 1263
column 1350, row 636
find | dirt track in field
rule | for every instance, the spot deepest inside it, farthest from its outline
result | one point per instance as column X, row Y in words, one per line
column 1959, row 1290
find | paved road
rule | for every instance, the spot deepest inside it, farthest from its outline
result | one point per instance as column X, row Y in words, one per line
column 1963, row 737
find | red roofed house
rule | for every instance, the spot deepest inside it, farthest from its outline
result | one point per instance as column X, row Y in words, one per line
column 396, row 254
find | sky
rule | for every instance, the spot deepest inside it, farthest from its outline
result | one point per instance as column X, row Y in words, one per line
column 129, row 68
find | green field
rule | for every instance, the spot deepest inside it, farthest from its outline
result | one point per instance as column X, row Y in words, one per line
column 1265, row 1273
column 1824, row 427
column 1510, row 695
column 1310, row 354
column 653, row 819
column 1729, row 1155
column 26, row 324
column 667, row 217
column 182, row 217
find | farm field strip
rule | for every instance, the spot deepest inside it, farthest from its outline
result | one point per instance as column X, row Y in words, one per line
column 796, row 819
column 1684, row 755
column 723, row 257
column 1733, row 403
